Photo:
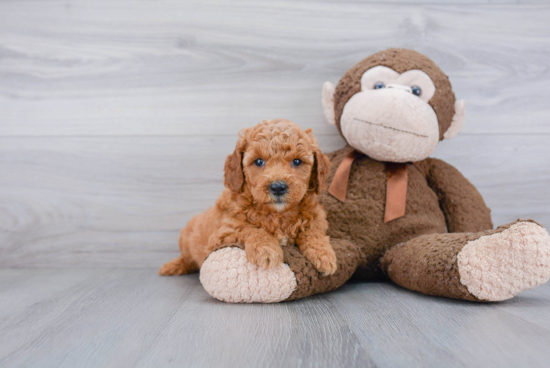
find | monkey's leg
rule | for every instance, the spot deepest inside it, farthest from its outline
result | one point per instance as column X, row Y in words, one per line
column 492, row 265
column 228, row 276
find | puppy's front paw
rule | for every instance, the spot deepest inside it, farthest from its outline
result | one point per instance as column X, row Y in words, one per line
column 323, row 259
column 265, row 255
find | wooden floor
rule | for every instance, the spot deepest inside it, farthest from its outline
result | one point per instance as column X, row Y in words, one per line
column 116, row 118
column 133, row 318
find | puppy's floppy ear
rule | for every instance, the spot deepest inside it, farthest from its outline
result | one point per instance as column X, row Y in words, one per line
column 320, row 169
column 233, row 170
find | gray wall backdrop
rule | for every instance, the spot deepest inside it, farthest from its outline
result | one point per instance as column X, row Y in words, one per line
column 116, row 116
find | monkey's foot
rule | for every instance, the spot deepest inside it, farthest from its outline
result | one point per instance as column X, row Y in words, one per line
column 228, row 276
column 498, row 266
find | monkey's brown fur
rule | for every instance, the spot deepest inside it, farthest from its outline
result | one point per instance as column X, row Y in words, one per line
column 445, row 214
column 439, row 198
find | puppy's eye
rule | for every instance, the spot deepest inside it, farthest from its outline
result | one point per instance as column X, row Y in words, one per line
column 297, row 162
column 379, row 85
column 417, row 91
column 259, row 162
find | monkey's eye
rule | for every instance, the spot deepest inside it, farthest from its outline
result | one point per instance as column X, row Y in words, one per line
column 259, row 162
column 417, row 91
column 297, row 162
column 379, row 85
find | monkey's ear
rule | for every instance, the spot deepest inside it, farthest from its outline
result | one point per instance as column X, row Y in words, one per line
column 233, row 170
column 458, row 120
column 328, row 102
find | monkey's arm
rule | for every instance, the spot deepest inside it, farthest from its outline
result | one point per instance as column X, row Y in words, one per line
column 463, row 206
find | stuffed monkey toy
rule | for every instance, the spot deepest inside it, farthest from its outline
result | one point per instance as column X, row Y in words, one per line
column 393, row 212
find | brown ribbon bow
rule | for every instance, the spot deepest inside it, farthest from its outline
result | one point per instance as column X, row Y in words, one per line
column 396, row 185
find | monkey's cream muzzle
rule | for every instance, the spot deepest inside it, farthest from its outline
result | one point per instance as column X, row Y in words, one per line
column 390, row 124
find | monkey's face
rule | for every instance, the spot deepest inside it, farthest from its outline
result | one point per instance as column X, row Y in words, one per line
column 390, row 119
column 394, row 106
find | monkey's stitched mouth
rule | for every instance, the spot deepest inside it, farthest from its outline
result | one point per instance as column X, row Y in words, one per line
column 392, row 128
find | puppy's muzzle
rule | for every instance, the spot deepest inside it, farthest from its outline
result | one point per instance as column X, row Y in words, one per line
column 278, row 188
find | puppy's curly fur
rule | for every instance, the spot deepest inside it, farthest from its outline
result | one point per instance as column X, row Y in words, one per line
column 249, row 213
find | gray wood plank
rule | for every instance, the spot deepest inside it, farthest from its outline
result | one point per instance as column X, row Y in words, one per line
column 531, row 307
column 135, row 318
column 198, row 68
column 439, row 332
column 131, row 317
column 308, row 333
column 84, row 325
column 121, row 201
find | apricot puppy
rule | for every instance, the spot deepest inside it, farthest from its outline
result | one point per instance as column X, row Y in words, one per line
column 272, row 181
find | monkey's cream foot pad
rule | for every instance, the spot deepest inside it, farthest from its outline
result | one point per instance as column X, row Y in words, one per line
column 498, row 266
column 228, row 276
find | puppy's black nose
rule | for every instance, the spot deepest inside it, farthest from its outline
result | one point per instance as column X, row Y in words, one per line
column 278, row 188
